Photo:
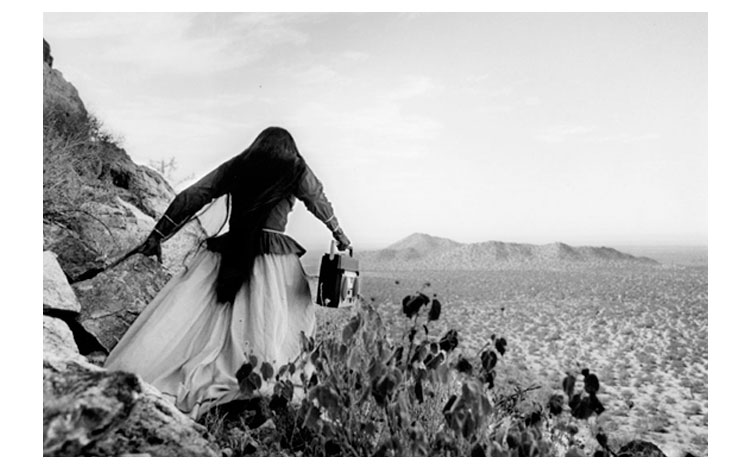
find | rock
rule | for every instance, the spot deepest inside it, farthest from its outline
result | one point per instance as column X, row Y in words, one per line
column 101, row 233
column 47, row 57
column 112, row 300
column 59, row 344
column 97, row 232
column 638, row 448
column 60, row 96
column 97, row 203
column 57, row 293
column 97, row 358
column 89, row 411
column 73, row 254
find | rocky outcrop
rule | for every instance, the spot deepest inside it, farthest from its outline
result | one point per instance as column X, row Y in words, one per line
column 97, row 203
column 126, row 202
column 59, row 94
column 47, row 56
column 112, row 300
column 57, row 295
column 89, row 411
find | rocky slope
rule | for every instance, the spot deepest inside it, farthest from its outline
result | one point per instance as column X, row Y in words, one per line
column 98, row 204
column 90, row 411
column 424, row 252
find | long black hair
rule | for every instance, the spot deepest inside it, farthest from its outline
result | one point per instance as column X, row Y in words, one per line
column 264, row 174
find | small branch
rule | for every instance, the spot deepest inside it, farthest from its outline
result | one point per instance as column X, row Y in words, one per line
column 58, row 212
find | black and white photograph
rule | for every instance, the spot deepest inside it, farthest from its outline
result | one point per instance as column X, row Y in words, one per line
column 365, row 234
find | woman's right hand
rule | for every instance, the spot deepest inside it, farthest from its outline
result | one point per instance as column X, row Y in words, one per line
column 151, row 247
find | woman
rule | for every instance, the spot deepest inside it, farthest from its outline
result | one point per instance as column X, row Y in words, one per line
column 244, row 293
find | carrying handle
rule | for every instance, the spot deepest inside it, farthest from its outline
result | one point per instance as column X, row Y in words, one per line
column 333, row 250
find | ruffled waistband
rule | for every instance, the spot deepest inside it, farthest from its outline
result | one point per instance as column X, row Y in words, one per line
column 277, row 243
column 271, row 242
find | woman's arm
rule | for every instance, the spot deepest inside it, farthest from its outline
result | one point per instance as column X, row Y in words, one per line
column 310, row 192
column 186, row 204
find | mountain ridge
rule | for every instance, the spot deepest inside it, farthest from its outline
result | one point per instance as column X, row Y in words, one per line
column 420, row 251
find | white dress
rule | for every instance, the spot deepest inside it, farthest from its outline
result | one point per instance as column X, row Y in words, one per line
column 190, row 347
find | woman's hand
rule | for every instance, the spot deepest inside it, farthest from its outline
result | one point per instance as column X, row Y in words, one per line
column 343, row 241
column 151, row 247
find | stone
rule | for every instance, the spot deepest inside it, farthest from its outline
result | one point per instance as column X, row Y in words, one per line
column 89, row 411
column 74, row 255
column 113, row 300
column 639, row 448
column 59, row 344
column 57, row 293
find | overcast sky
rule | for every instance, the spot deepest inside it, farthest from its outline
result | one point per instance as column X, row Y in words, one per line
column 534, row 128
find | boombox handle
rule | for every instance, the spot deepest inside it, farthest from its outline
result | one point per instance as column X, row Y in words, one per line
column 333, row 250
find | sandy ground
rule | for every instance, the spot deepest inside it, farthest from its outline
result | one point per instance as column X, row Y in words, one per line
column 643, row 333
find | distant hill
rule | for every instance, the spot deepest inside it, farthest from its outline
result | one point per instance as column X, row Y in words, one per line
column 420, row 251
column 692, row 255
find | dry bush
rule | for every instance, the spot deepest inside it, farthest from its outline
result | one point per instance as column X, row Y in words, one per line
column 74, row 146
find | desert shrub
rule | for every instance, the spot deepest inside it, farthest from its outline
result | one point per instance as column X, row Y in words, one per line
column 363, row 393
column 75, row 146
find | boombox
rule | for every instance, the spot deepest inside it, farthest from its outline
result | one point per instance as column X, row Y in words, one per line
column 338, row 283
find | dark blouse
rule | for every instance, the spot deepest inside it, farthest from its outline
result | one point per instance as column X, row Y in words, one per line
column 273, row 241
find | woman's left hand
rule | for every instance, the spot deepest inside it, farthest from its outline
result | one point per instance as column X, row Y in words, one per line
column 342, row 239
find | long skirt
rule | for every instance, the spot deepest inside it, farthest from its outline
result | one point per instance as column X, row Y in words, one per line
column 190, row 347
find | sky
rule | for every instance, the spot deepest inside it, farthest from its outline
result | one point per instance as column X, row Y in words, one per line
column 588, row 129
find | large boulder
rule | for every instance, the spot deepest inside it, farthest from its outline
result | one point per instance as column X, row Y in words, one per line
column 73, row 254
column 57, row 294
column 112, row 300
column 59, row 344
column 108, row 212
column 89, row 411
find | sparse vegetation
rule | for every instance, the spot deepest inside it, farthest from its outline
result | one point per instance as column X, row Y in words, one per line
column 533, row 306
column 74, row 153
column 368, row 392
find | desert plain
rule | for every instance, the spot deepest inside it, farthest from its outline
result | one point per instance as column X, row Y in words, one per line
column 642, row 330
